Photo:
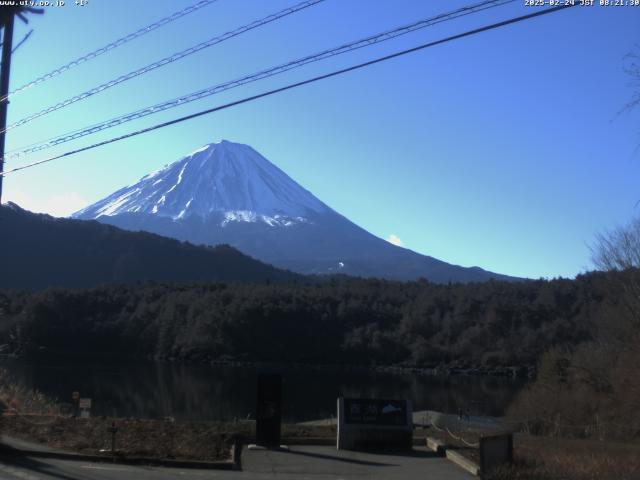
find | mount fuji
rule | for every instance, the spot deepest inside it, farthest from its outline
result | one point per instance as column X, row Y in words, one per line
column 227, row 192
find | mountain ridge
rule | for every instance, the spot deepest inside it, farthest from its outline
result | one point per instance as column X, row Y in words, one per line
column 227, row 192
column 42, row 251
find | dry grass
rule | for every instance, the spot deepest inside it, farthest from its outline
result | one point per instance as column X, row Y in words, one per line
column 543, row 458
column 17, row 400
column 546, row 458
column 147, row 438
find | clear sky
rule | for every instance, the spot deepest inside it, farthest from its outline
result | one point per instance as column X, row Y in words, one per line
column 503, row 150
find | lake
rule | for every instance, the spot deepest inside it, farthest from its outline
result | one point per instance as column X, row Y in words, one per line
column 188, row 392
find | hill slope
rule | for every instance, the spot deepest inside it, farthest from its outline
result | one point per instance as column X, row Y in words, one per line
column 40, row 251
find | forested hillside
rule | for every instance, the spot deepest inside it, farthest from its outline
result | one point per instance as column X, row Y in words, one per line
column 41, row 251
column 341, row 321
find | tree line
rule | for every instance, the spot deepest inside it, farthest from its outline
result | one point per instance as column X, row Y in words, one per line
column 337, row 321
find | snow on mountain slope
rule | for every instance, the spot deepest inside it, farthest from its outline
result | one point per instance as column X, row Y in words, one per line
column 228, row 178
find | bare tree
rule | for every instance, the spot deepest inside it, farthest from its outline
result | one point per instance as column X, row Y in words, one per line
column 618, row 249
column 632, row 68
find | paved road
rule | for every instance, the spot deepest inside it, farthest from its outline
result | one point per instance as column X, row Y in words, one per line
column 327, row 463
column 301, row 462
column 48, row 469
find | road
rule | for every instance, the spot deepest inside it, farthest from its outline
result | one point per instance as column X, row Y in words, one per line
column 300, row 462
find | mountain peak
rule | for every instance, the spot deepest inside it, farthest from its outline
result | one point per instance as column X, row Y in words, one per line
column 223, row 178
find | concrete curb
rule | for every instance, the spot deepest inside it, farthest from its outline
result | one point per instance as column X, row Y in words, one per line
column 437, row 446
column 463, row 462
column 441, row 448
column 160, row 462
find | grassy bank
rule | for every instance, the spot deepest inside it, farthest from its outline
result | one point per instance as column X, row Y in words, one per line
column 146, row 438
column 542, row 458
column 546, row 457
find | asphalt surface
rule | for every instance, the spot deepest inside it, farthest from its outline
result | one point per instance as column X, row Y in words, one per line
column 300, row 462
column 49, row 469
column 324, row 463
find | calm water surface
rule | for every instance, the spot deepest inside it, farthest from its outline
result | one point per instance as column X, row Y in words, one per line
column 154, row 389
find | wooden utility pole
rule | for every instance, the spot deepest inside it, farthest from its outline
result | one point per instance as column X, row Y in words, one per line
column 7, row 17
column 7, row 46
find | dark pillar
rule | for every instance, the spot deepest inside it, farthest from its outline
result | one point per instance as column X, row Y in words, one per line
column 7, row 45
column 269, row 410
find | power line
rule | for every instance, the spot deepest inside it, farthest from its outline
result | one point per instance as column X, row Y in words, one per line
column 295, row 85
column 167, row 60
column 110, row 46
column 200, row 94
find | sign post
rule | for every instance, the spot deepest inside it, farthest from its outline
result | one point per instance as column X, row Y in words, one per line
column 85, row 407
column 75, row 400
column 366, row 423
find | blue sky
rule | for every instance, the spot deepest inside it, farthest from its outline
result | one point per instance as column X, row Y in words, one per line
column 503, row 150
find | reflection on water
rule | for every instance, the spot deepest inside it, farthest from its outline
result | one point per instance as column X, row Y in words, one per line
column 154, row 389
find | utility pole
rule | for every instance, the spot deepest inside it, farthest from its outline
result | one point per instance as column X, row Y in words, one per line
column 7, row 46
column 7, row 17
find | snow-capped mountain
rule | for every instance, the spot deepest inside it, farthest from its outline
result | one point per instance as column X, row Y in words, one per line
column 223, row 177
column 227, row 192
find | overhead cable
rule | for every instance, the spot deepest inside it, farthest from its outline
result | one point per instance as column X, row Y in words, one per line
column 291, row 86
column 110, row 46
column 260, row 75
column 165, row 61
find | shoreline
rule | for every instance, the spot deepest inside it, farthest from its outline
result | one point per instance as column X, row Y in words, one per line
column 511, row 371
